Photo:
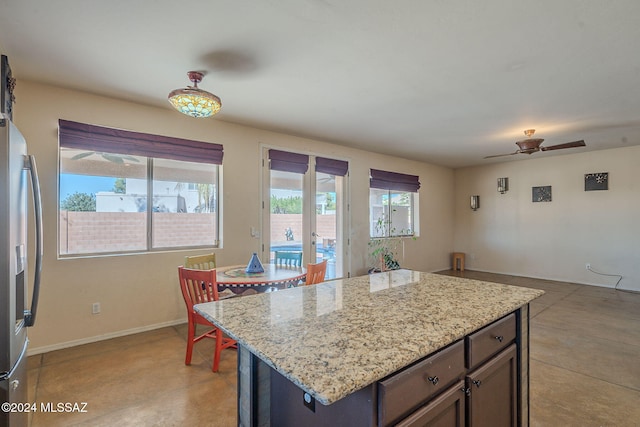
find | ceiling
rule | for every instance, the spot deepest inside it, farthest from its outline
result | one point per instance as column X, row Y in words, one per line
column 446, row 82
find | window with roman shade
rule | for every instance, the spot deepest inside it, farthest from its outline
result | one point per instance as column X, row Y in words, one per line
column 392, row 203
column 393, row 181
column 123, row 191
column 109, row 140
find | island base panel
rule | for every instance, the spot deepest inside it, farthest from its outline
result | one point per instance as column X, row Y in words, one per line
column 288, row 408
column 253, row 390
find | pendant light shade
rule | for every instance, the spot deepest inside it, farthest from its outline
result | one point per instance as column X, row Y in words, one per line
column 194, row 101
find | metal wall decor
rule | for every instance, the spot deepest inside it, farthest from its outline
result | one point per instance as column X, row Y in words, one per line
column 503, row 185
column 541, row 194
column 596, row 181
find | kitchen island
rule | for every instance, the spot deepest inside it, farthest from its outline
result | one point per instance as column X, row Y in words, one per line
column 349, row 351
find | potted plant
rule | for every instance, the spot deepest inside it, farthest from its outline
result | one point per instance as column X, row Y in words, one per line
column 385, row 250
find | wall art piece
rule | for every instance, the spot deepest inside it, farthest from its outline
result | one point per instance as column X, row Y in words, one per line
column 541, row 194
column 596, row 181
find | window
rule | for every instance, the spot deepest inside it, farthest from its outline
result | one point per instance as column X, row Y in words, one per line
column 392, row 204
column 124, row 191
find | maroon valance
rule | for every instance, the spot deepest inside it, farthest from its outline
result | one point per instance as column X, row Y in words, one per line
column 332, row 166
column 393, row 181
column 97, row 138
column 288, row 162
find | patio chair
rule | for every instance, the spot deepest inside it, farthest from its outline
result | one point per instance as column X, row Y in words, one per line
column 289, row 258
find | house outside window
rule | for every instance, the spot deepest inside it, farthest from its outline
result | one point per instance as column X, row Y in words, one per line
column 123, row 192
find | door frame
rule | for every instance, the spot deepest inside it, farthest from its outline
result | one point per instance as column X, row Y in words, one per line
column 309, row 195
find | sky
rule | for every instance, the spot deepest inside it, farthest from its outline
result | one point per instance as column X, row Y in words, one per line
column 70, row 183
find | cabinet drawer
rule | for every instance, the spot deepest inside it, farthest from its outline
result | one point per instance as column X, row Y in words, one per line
column 489, row 340
column 403, row 392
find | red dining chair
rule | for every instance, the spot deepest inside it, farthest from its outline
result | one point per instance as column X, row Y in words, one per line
column 316, row 272
column 200, row 286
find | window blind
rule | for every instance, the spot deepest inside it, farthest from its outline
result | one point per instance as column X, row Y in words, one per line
column 118, row 141
column 393, row 181
column 332, row 166
column 288, row 162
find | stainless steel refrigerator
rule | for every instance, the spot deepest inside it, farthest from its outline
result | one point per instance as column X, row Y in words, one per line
column 17, row 174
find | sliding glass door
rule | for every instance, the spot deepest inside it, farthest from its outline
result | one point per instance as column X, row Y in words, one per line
column 305, row 209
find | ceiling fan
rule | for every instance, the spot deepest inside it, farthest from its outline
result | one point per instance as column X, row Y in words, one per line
column 532, row 145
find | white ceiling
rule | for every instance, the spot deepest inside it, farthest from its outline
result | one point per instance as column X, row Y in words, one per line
column 443, row 81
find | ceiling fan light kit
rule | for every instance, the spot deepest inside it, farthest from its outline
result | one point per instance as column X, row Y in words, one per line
column 194, row 101
column 533, row 145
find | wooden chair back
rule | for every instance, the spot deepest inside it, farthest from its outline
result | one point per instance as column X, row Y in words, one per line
column 198, row 286
column 316, row 272
column 200, row 262
column 289, row 258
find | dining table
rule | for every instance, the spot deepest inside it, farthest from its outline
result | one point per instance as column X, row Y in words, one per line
column 236, row 279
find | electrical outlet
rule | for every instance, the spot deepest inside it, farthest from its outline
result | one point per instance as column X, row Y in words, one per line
column 588, row 266
column 95, row 308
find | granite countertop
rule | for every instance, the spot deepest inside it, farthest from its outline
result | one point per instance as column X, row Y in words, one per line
column 339, row 336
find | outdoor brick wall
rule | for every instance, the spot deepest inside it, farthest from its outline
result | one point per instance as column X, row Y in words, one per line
column 94, row 232
column 91, row 232
column 183, row 229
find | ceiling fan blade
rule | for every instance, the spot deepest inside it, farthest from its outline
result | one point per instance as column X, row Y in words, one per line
column 83, row 155
column 501, row 155
column 566, row 145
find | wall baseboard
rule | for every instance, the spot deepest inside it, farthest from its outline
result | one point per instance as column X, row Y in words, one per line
column 555, row 279
column 89, row 340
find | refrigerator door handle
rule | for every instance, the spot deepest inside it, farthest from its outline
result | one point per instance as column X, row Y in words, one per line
column 7, row 375
column 30, row 315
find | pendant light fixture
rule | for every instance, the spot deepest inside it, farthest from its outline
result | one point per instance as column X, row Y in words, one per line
column 194, row 101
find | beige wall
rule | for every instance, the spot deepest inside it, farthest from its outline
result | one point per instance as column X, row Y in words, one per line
column 139, row 292
column 510, row 234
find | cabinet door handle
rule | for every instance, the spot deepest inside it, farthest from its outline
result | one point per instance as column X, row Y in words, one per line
column 499, row 338
column 466, row 391
column 477, row 383
column 433, row 380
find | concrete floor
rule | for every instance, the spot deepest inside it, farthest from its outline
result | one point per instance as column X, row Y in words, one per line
column 585, row 368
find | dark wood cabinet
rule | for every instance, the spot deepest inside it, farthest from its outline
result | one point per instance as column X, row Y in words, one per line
column 490, row 340
column 486, row 398
column 492, row 392
column 402, row 393
column 447, row 410
column 474, row 382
